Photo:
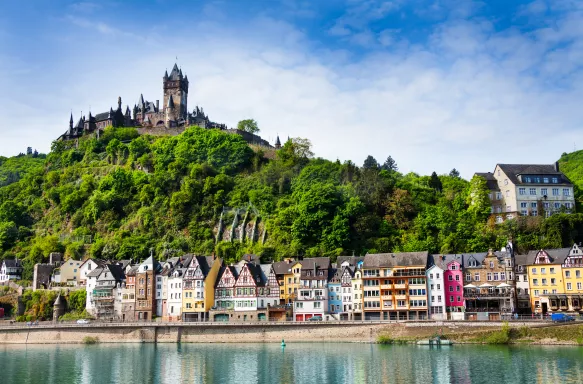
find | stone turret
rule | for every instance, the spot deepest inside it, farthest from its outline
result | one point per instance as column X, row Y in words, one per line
column 58, row 308
column 277, row 143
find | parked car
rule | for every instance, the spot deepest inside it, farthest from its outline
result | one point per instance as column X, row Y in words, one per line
column 561, row 317
column 315, row 318
column 82, row 321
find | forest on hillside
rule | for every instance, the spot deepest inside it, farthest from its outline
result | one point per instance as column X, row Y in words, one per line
column 122, row 195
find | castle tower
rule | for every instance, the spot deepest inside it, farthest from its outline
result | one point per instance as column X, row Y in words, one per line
column 277, row 143
column 176, row 85
column 58, row 308
column 170, row 113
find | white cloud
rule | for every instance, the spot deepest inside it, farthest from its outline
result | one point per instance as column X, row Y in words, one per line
column 472, row 98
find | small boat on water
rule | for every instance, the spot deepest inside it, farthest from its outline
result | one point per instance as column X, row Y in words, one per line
column 435, row 341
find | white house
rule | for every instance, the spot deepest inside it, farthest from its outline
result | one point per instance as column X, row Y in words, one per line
column 436, row 293
column 87, row 267
column 312, row 297
column 174, row 294
column 11, row 270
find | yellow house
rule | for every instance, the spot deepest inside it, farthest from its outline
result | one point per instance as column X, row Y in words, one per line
column 545, row 278
column 288, row 276
column 198, row 293
column 573, row 279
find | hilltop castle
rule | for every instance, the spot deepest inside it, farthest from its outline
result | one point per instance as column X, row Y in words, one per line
column 149, row 118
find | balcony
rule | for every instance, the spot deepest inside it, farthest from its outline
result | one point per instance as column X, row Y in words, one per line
column 400, row 286
column 401, row 297
column 387, row 297
column 387, row 286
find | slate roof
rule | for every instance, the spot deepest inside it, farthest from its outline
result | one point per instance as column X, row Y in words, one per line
column 132, row 271
column 96, row 272
column 12, row 263
column 405, row 259
column 521, row 259
column 352, row 260
column 116, row 271
column 557, row 255
column 316, row 264
column 479, row 257
column 336, row 275
column 491, row 181
column 283, row 267
column 102, row 116
column 513, row 170
column 442, row 261
column 175, row 74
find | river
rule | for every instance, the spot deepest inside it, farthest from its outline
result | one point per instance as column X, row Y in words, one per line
column 296, row 363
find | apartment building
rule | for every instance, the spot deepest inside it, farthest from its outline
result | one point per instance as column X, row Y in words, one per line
column 394, row 286
column 528, row 190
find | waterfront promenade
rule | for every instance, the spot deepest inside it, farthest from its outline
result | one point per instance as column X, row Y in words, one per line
column 233, row 332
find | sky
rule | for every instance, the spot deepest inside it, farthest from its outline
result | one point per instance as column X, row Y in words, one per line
column 436, row 84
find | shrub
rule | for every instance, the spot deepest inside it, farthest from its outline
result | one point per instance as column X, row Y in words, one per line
column 384, row 339
column 90, row 340
column 500, row 337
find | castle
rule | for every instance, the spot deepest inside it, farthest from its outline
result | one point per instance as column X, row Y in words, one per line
column 149, row 118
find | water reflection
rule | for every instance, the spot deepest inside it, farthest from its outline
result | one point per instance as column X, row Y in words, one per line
column 297, row 363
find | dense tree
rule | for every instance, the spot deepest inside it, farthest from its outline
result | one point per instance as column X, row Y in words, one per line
column 370, row 163
column 390, row 165
column 248, row 125
column 454, row 173
column 120, row 195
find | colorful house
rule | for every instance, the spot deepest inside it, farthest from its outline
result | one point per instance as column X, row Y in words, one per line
column 288, row 277
column 436, row 291
column 224, row 294
column 394, row 286
column 312, row 297
column 335, row 293
column 573, row 279
column 545, row 278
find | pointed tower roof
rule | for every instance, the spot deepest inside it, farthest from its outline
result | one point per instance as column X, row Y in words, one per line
column 277, row 142
column 176, row 73
column 166, row 74
column 110, row 112
column 170, row 102
column 71, row 119
column 141, row 101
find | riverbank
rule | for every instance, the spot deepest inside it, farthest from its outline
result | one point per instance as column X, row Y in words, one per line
column 357, row 332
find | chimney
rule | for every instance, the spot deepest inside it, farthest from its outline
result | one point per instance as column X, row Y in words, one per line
column 157, row 105
column 556, row 166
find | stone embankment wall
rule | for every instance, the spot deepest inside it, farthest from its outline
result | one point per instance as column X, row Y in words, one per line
column 231, row 333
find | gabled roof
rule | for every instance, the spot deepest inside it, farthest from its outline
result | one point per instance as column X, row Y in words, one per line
column 521, row 259
column 96, row 272
column 442, row 261
column 557, row 255
column 478, row 257
column 283, row 267
column 405, row 259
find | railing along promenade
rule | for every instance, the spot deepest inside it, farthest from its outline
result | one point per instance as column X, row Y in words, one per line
column 8, row 325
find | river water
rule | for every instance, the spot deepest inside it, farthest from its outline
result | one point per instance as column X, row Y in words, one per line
column 296, row 363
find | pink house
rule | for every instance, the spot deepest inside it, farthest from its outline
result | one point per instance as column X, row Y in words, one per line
column 454, row 284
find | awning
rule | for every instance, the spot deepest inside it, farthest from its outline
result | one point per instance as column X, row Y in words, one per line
column 470, row 286
column 486, row 285
column 504, row 285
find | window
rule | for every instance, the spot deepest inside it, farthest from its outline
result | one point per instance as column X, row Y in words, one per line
column 457, row 277
column 536, row 292
column 569, row 287
column 450, row 278
column 557, row 205
column 507, row 193
column 543, row 271
column 555, row 191
column 489, row 276
column 567, row 273
column 566, row 192
column 451, row 288
column 498, row 195
column 505, row 181
column 544, row 191
column 439, row 298
column 532, row 191
column 431, row 275
column 527, row 179
column 533, row 205
column 546, row 205
column 523, row 205
column 451, row 299
column 579, row 286
column 468, row 276
column 553, row 281
column 524, row 212
column 457, row 288
column 534, row 281
column 491, row 264
column 568, row 205
column 477, row 276
column 544, row 282
column 555, row 180
column 522, row 191
column 552, row 270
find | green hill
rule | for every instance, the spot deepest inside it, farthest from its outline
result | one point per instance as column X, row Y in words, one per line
column 206, row 191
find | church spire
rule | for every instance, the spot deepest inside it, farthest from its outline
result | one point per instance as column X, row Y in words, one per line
column 71, row 121
column 277, row 143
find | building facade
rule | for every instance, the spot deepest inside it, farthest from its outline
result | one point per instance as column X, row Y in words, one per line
column 312, row 297
column 11, row 269
column 528, row 190
column 395, row 286
column 436, row 293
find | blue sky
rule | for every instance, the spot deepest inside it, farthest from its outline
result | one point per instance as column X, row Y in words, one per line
column 436, row 84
